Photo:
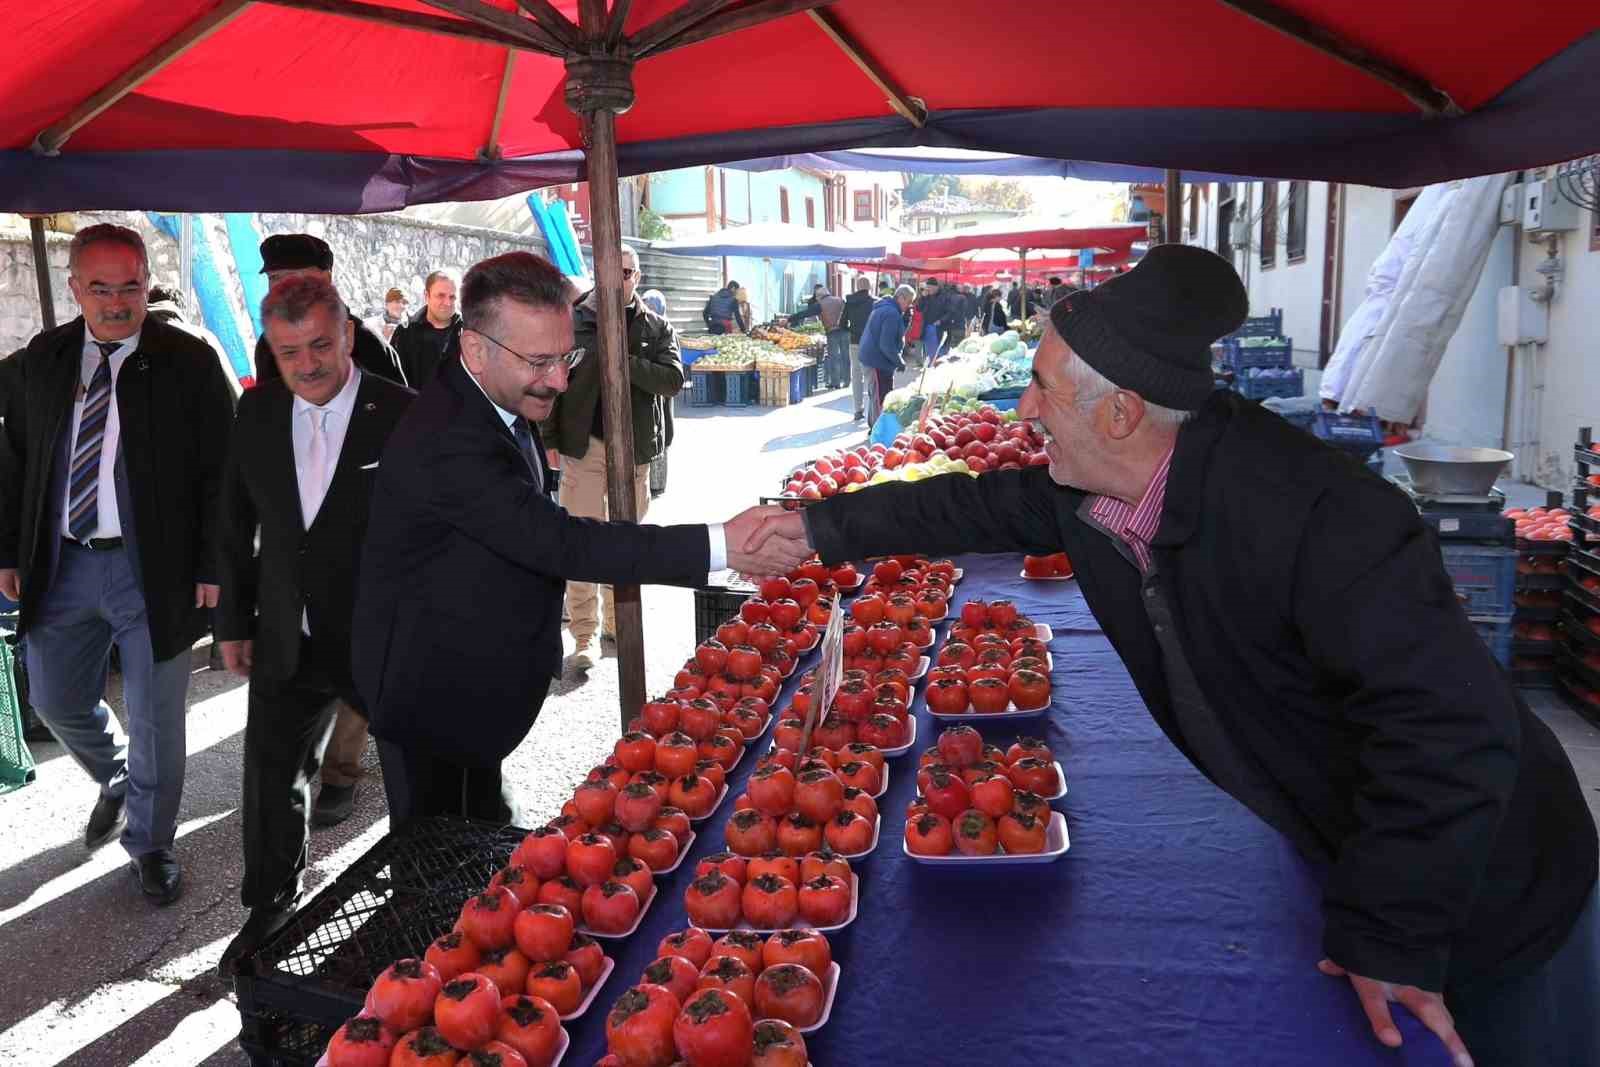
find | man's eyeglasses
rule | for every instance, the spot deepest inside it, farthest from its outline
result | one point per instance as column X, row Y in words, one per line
column 629, row 272
column 106, row 292
column 540, row 365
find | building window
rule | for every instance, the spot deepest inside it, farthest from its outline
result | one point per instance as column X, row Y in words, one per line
column 962, row 225
column 811, row 213
column 783, row 205
column 863, row 205
column 1269, row 224
column 1295, row 240
column 924, row 224
column 1225, row 228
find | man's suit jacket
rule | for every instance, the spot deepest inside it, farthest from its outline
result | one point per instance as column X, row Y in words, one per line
column 372, row 354
column 174, row 405
column 458, row 617
column 297, row 569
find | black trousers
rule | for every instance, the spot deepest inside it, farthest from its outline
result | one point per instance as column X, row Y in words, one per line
column 287, row 727
column 420, row 783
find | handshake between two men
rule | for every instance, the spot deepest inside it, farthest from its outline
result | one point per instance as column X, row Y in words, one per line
column 766, row 540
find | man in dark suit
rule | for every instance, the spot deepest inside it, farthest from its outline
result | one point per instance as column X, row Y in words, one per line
column 458, row 619
column 300, row 255
column 299, row 475
column 108, row 502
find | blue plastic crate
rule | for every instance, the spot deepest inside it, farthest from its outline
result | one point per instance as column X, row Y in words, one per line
column 1485, row 576
column 740, row 388
column 1242, row 357
column 689, row 355
column 1496, row 633
column 706, row 388
column 1260, row 383
column 1268, row 325
column 798, row 380
column 1360, row 435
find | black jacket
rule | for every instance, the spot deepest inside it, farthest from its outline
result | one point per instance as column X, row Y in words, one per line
column 173, row 405
column 372, row 354
column 415, row 347
column 265, row 591
column 857, row 309
column 1352, row 705
column 458, row 614
column 994, row 318
column 722, row 314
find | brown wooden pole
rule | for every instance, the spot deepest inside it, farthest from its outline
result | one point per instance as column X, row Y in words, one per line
column 1172, row 228
column 615, row 392
column 41, row 271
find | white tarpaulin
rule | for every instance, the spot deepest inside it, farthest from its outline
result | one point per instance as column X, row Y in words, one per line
column 1389, row 363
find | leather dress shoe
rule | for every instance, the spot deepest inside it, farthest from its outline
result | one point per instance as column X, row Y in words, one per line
column 159, row 876
column 334, row 805
column 108, row 819
column 257, row 931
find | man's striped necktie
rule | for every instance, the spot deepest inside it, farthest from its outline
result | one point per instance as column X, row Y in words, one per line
column 83, row 487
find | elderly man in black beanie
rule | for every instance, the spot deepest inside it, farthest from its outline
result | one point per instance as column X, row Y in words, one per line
column 1286, row 618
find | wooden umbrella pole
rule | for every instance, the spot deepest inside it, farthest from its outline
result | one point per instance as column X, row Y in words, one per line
column 599, row 86
column 1171, row 229
column 41, row 271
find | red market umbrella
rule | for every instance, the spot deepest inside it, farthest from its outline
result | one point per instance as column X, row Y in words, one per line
column 1117, row 238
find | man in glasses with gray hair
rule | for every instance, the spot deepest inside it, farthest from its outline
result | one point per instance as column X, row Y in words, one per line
column 458, row 617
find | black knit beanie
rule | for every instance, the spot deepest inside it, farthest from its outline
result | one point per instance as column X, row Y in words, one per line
column 1150, row 330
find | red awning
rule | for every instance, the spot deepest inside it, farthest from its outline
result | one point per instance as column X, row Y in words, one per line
column 1117, row 238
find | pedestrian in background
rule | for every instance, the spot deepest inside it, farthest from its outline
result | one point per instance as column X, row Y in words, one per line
column 829, row 310
column 394, row 314
column 575, row 430
column 726, row 311
column 992, row 319
column 857, row 309
column 301, row 465
column 433, row 334
column 882, row 344
column 109, row 484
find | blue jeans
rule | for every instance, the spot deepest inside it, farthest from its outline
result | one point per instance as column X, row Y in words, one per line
column 930, row 344
column 93, row 601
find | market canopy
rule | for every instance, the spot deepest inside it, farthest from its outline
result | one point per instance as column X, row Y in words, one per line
column 963, row 162
column 784, row 240
column 347, row 106
column 1026, row 234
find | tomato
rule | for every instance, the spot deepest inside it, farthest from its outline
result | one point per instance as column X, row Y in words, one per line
column 826, row 757
column 825, row 899
column 543, row 851
column 805, row 591
column 637, row 806
column 524, row 885
column 808, row 948
column 676, row 754
column 960, row 746
column 858, row 775
column 777, row 1044
column 1022, row 833
column 494, row 1054
column 982, row 769
column 868, row 610
column 975, row 613
column 531, row 1026
column 594, row 801
column 789, row 992
column 487, row 918
column 957, row 654
column 844, row 575
column 693, row 944
column 1002, row 613
column 639, row 1027
column 883, row 731
column 732, row 975
column 715, row 1030
column 775, row 587
column 660, row 717
column 798, row 835
column 751, row 832
column 610, row 907
column 789, row 734
column 674, row 973
column 590, row 859
column 772, row 789
column 729, row 863
column 712, row 900
column 544, row 932
column 404, row 993
column 361, row 1042
column 558, row 983
column 1029, row 689
column 929, row 835
column 992, row 794
column 1035, row 776
column 770, row 902
column 693, row 794
column 748, row 721
column 742, row 945
column 467, row 1010
column 424, row 1048
column 584, row 953
column 564, row 891
column 975, row 833
column 818, row 795
column 988, row 695
column 636, row 876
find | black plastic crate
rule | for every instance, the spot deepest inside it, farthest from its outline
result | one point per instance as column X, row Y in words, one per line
column 1540, row 581
column 715, row 606
column 272, row 1040
column 389, row 904
column 706, row 388
column 1541, row 548
column 1577, row 632
column 1585, row 602
column 1581, row 560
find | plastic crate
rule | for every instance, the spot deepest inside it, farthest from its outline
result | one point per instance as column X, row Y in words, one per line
column 705, row 388
column 1263, row 383
column 1496, row 633
column 1359, row 434
column 389, row 904
column 715, row 606
column 1278, row 354
column 16, row 762
column 1485, row 576
column 740, row 388
column 689, row 355
column 273, row 1040
column 816, row 379
column 1268, row 325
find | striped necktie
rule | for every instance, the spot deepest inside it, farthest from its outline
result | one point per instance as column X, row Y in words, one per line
column 524, row 439
column 83, row 486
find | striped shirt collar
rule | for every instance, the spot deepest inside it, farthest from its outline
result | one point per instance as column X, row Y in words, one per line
column 1136, row 524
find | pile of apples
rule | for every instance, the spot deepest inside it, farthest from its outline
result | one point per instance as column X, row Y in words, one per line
column 741, row 999
column 980, row 800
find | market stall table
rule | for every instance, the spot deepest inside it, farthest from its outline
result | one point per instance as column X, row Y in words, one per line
column 1177, row 929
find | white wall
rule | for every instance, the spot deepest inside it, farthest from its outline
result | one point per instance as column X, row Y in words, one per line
column 1294, row 287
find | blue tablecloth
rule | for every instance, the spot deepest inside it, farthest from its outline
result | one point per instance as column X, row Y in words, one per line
column 1177, row 929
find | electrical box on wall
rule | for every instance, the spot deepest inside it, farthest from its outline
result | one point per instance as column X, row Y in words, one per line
column 1546, row 210
column 1511, row 205
column 1522, row 319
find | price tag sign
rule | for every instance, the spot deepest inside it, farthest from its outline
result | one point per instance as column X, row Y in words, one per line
column 830, row 672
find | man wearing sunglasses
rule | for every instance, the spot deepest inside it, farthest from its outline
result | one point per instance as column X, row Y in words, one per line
column 458, row 616
column 576, row 430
